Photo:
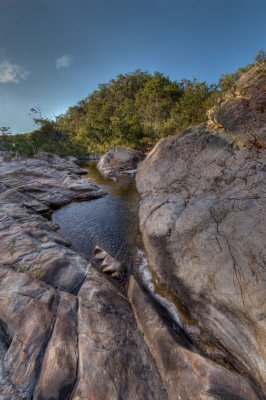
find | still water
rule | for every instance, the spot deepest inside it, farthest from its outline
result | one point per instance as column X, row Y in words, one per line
column 110, row 222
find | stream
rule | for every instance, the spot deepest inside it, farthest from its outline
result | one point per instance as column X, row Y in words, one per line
column 110, row 222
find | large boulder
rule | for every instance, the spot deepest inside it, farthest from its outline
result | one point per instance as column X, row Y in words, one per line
column 120, row 160
column 203, row 222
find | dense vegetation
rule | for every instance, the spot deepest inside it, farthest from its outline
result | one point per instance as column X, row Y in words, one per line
column 135, row 110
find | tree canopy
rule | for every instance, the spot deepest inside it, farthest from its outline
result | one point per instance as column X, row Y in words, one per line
column 134, row 109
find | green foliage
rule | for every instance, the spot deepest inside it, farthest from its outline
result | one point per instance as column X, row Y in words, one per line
column 109, row 115
column 5, row 140
column 260, row 56
column 154, row 103
column 48, row 137
column 135, row 109
column 192, row 106
column 227, row 81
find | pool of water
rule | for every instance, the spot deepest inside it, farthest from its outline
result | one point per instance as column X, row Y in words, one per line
column 110, row 222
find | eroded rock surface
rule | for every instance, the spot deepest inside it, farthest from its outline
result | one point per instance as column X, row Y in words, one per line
column 114, row 361
column 108, row 264
column 55, row 345
column 203, row 221
column 186, row 374
column 28, row 241
column 49, row 181
column 120, row 160
column 67, row 331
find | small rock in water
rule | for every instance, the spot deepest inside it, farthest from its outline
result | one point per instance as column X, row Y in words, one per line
column 100, row 256
column 108, row 264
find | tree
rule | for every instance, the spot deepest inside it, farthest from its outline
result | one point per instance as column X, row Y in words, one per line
column 5, row 132
column 192, row 107
column 154, row 104
column 260, row 56
column 134, row 109
column 45, row 124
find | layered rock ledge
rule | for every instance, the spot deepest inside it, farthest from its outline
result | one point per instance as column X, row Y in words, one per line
column 28, row 241
column 203, row 222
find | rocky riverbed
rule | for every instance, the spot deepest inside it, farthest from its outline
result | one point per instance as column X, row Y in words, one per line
column 70, row 331
column 66, row 330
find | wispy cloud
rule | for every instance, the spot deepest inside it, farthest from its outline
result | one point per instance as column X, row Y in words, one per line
column 63, row 62
column 12, row 72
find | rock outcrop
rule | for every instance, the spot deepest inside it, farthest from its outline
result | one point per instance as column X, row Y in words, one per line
column 55, row 345
column 120, row 160
column 185, row 373
column 203, row 222
column 28, row 241
column 67, row 330
column 47, row 181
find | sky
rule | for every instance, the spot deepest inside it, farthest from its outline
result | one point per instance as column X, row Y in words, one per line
column 54, row 53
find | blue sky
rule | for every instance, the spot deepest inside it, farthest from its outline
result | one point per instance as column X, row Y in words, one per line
column 53, row 53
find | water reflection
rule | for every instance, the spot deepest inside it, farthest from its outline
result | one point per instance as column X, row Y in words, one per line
column 110, row 222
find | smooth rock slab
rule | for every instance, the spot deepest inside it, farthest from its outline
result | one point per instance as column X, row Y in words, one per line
column 51, row 184
column 55, row 346
column 27, row 311
column 186, row 375
column 59, row 365
column 203, row 220
column 114, row 362
column 29, row 243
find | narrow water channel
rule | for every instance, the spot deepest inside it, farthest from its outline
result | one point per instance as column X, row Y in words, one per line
column 110, row 222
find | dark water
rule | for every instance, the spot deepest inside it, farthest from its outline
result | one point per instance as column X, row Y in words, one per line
column 110, row 222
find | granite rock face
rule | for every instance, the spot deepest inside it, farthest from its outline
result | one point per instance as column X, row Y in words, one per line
column 185, row 373
column 55, row 345
column 120, row 160
column 67, row 330
column 49, row 181
column 114, row 361
column 28, row 241
column 203, row 222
